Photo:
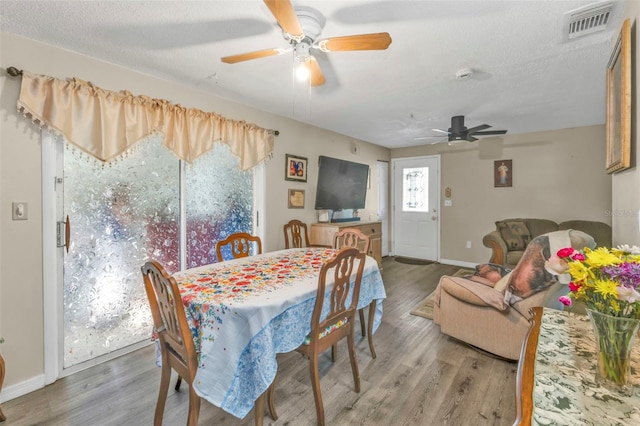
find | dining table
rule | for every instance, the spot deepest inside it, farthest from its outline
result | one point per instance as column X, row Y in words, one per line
column 242, row 312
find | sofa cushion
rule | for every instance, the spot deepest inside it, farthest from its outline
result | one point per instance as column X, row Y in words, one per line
column 515, row 234
column 540, row 226
column 513, row 257
column 600, row 231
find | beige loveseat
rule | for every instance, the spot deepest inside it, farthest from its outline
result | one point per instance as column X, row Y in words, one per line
column 494, row 316
column 511, row 236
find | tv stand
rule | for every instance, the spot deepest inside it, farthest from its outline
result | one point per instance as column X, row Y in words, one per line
column 345, row 219
column 321, row 234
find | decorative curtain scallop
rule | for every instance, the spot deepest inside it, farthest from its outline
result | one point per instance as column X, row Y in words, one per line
column 105, row 124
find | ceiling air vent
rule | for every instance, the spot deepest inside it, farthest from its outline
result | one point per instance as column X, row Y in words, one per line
column 587, row 20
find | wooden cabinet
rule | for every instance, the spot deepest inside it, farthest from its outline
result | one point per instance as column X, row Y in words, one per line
column 322, row 235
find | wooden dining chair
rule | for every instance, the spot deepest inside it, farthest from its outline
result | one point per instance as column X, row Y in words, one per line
column 177, row 349
column 296, row 231
column 344, row 267
column 353, row 237
column 239, row 245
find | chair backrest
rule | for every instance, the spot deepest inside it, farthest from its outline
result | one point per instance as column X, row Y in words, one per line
column 345, row 267
column 176, row 342
column 351, row 237
column 296, row 231
column 239, row 245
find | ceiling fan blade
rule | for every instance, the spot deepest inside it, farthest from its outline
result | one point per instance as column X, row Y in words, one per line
column 441, row 131
column 286, row 16
column 252, row 55
column 375, row 41
column 316, row 78
column 491, row 132
column 478, row 128
column 420, row 138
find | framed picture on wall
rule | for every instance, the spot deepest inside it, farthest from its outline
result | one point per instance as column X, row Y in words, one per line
column 619, row 103
column 296, row 199
column 502, row 173
column 295, row 168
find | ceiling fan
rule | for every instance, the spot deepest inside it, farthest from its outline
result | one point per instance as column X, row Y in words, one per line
column 458, row 132
column 301, row 28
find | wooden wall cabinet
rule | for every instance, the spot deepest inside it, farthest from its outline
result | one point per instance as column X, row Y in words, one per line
column 322, row 235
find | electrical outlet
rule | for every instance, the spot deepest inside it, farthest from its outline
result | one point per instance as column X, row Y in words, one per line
column 448, row 203
column 468, row 244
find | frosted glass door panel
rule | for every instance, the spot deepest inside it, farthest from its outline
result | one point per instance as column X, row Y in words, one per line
column 121, row 215
column 219, row 202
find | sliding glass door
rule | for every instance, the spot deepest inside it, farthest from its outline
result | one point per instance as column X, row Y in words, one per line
column 146, row 205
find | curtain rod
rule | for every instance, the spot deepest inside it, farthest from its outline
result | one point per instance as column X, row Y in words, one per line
column 15, row 72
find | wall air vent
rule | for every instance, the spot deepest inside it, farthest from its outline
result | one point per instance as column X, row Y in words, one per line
column 587, row 20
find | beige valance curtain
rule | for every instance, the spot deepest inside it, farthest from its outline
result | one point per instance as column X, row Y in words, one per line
column 105, row 124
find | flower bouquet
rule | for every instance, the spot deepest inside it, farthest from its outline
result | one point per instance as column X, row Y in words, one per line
column 607, row 281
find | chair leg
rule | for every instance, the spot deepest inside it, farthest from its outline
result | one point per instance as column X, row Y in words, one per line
column 178, row 383
column 271, row 399
column 354, row 362
column 315, row 384
column 334, row 352
column 194, row 407
column 363, row 326
column 162, row 394
column 372, row 312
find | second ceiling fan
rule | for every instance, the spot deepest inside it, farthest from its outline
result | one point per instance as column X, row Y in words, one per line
column 301, row 29
column 458, row 132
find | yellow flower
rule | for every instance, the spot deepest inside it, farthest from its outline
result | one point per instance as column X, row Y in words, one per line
column 608, row 289
column 578, row 271
column 601, row 257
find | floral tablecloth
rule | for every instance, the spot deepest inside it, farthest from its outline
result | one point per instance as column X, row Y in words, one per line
column 565, row 390
column 244, row 311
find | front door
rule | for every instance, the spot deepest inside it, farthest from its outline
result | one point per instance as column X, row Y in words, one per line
column 416, row 197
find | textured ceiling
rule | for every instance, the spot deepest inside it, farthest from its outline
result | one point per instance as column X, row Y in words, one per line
column 526, row 75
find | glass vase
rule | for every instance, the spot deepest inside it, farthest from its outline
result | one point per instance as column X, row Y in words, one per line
column 614, row 340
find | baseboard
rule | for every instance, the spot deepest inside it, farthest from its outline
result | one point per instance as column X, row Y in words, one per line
column 22, row 388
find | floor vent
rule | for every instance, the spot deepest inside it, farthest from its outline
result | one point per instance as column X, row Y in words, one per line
column 587, row 20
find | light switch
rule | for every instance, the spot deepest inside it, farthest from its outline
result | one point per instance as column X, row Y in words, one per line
column 20, row 210
column 448, row 203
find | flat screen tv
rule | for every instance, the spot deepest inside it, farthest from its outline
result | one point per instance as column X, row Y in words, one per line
column 341, row 184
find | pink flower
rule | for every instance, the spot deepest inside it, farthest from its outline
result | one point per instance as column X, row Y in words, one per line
column 565, row 300
column 573, row 287
column 578, row 257
column 565, row 252
column 556, row 266
column 627, row 294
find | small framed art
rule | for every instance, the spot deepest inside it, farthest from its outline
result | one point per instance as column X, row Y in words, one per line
column 295, row 168
column 502, row 173
column 296, row 198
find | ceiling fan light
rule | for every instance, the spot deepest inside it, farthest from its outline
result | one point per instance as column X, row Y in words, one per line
column 302, row 72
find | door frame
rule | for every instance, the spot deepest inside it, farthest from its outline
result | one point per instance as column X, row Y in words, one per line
column 394, row 162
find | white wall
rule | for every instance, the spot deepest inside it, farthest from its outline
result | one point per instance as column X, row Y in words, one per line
column 21, row 273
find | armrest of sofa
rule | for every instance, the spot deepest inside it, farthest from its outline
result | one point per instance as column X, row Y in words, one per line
column 472, row 292
column 494, row 241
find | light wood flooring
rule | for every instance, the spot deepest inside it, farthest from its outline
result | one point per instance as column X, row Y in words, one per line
column 420, row 377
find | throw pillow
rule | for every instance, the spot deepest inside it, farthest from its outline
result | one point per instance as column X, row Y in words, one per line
column 490, row 272
column 531, row 274
column 515, row 234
